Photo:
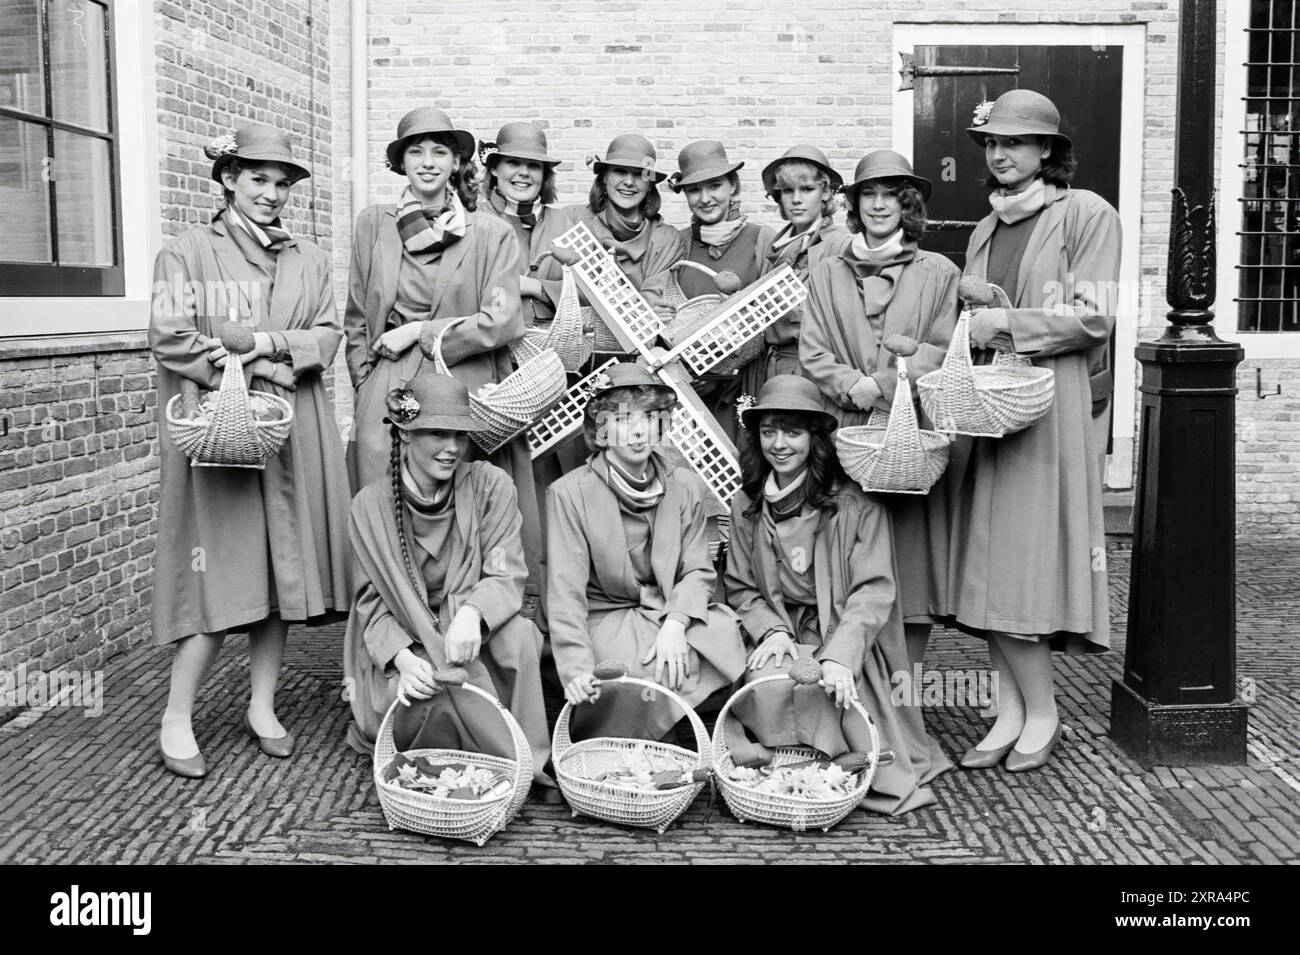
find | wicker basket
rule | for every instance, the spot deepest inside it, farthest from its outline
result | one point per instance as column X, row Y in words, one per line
column 510, row 408
column 576, row 763
column 694, row 313
column 775, row 809
column 232, row 437
column 566, row 335
column 986, row 401
column 468, row 820
column 891, row 453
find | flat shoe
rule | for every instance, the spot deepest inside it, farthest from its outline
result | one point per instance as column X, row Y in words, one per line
column 977, row 758
column 1018, row 762
column 192, row 767
column 280, row 747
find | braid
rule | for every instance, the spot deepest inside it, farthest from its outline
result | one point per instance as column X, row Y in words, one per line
column 399, row 509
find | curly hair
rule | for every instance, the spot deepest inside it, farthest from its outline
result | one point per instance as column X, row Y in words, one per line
column 825, row 476
column 547, row 194
column 909, row 197
column 1058, row 168
column 796, row 172
column 599, row 195
column 465, row 180
column 651, row 399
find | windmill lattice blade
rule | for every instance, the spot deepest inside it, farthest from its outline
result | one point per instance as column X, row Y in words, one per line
column 616, row 300
column 565, row 418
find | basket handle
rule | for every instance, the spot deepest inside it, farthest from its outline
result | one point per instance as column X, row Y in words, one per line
column 719, row 728
column 903, row 432
column 385, row 750
column 561, row 742
column 694, row 265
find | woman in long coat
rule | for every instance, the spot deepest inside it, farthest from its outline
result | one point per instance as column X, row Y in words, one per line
column 243, row 549
column 628, row 570
column 882, row 284
column 1032, row 545
column 439, row 579
column 427, row 270
column 810, row 571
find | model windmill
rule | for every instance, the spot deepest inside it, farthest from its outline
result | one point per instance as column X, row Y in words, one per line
column 693, row 431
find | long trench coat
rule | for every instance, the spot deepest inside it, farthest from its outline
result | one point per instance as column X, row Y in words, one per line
column 1032, row 542
column 665, row 248
column 235, row 544
column 477, row 326
column 485, row 567
column 859, row 626
column 598, row 611
column 552, row 222
column 838, row 347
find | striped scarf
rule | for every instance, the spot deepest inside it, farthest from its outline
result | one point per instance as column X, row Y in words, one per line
column 424, row 231
column 784, row 502
column 634, row 494
column 271, row 237
column 525, row 212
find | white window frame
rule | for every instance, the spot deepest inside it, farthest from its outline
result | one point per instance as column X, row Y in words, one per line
column 1232, row 147
column 136, row 97
column 1132, row 38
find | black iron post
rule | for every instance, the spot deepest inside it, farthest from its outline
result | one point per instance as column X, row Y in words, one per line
column 1176, row 705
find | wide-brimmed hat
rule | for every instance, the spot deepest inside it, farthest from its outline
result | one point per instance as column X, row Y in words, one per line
column 627, row 374
column 805, row 153
column 631, row 151
column 884, row 164
column 788, row 393
column 255, row 142
column 518, row 141
column 1018, row 113
column 431, row 402
column 426, row 121
column 699, row 162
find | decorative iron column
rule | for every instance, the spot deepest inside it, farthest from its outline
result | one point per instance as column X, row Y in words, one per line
column 1176, row 705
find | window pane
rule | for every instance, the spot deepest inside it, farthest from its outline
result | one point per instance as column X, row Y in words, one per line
column 84, row 192
column 22, row 81
column 24, row 193
column 79, row 63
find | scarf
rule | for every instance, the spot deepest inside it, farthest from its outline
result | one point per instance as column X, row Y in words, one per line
column 440, row 502
column 635, row 495
column 877, row 275
column 715, row 238
column 786, row 502
column 631, row 240
column 787, row 238
column 424, row 231
column 1014, row 207
column 525, row 212
column 271, row 237
column 883, row 254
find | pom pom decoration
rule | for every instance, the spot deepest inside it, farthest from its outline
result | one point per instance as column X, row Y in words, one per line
column 901, row 345
column 976, row 291
column 805, row 671
column 402, row 406
column 610, row 670
column 236, row 338
column 563, row 254
column 728, row 282
column 220, row 146
column 450, row 676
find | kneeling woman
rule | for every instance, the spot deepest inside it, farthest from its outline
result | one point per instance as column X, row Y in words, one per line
column 439, row 577
column 811, row 572
column 628, row 570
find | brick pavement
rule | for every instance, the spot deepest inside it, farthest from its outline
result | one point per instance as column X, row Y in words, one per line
column 76, row 789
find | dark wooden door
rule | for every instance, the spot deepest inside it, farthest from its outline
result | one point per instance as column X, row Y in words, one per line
column 1083, row 81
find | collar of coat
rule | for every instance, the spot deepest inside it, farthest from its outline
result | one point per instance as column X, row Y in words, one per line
column 1050, row 220
column 290, row 267
column 390, row 259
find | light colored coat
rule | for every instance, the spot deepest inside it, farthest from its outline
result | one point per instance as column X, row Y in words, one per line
column 236, row 544
column 552, row 222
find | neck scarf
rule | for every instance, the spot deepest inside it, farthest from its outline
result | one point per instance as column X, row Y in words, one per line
column 877, row 273
column 271, row 237
column 1011, row 208
column 635, row 495
column 525, row 212
column 882, row 254
column 631, row 240
column 440, row 503
column 787, row 238
column 715, row 238
column 784, row 502
column 425, row 231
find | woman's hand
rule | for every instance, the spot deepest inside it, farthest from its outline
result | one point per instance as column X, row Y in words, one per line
column 530, row 287
column 838, row 681
column 670, row 655
column 415, row 677
column 394, row 342
column 773, row 649
column 583, row 688
column 986, row 324
column 217, row 354
column 464, row 638
column 274, row 372
column 865, row 393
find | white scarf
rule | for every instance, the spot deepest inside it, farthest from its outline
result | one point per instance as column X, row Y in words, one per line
column 1011, row 208
column 774, row 494
column 885, row 252
column 787, row 236
column 720, row 233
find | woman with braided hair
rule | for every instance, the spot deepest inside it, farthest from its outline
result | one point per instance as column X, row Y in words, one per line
column 439, row 575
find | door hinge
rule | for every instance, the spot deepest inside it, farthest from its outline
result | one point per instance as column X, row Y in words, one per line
column 948, row 225
column 909, row 71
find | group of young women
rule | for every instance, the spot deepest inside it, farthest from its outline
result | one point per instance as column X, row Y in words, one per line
column 430, row 548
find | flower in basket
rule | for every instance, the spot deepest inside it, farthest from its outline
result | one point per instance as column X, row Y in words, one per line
column 981, row 115
column 743, row 404
column 220, row 146
column 402, row 405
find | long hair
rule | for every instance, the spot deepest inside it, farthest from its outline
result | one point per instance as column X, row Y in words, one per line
column 824, row 472
column 1058, row 168
column 599, row 196
column 909, row 197
column 545, row 197
column 399, row 507
column 465, row 180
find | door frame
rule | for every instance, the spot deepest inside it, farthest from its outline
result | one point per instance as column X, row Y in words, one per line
column 1132, row 39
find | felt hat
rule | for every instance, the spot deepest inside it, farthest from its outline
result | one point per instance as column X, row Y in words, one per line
column 256, row 142
column 425, row 121
column 431, row 402
column 788, row 393
column 699, row 162
column 805, row 153
column 518, row 141
column 1018, row 113
column 884, row 164
column 631, row 151
column 627, row 374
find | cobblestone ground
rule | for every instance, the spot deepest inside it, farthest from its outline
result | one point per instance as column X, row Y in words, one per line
column 91, row 790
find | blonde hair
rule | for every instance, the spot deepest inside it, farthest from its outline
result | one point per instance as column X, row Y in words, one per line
column 796, row 172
